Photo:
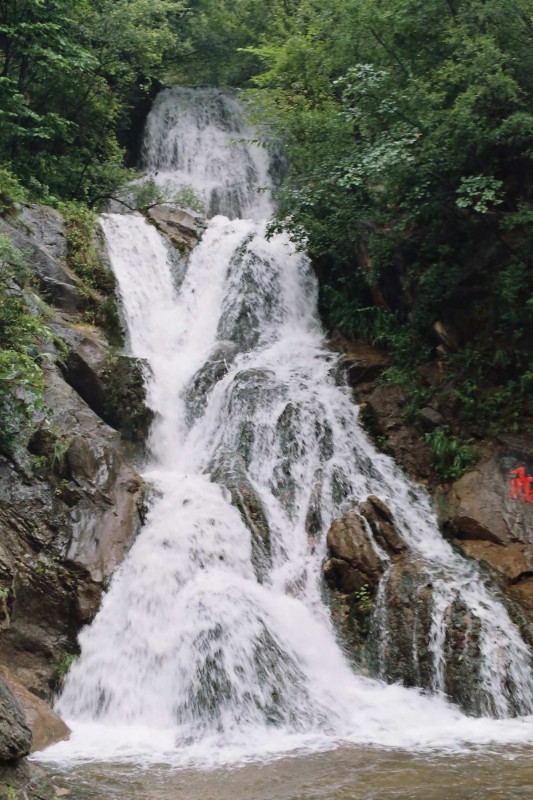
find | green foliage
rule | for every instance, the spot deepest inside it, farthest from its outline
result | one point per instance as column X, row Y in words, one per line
column 70, row 70
column 82, row 256
column 11, row 192
column 363, row 599
column 21, row 335
column 187, row 199
column 63, row 666
column 147, row 194
column 451, row 456
column 411, row 176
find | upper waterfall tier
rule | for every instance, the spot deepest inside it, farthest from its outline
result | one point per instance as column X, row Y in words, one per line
column 199, row 138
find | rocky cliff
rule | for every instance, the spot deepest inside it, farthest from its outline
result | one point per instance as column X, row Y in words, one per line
column 70, row 502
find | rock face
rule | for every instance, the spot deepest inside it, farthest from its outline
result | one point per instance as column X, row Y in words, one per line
column 69, row 501
column 362, row 363
column 15, row 734
column 481, row 506
column 249, row 506
column 354, row 562
column 382, row 601
column 64, row 530
column 361, row 546
column 43, row 250
column 111, row 384
column 182, row 228
column 490, row 518
column 70, row 504
column 45, row 725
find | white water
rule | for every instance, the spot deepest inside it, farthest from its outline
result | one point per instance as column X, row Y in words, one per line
column 212, row 646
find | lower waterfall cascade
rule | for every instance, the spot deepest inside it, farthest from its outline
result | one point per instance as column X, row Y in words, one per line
column 214, row 643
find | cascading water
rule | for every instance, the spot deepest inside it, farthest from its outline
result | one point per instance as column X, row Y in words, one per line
column 213, row 641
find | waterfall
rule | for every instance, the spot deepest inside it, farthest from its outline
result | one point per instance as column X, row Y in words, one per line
column 214, row 641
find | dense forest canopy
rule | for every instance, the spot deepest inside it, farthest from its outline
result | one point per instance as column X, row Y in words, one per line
column 409, row 130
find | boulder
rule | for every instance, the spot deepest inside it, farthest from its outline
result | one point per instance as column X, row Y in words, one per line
column 15, row 733
column 112, row 385
column 353, row 561
column 182, row 229
column 430, row 419
column 45, row 725
column 214, row 369
column 481, row 506
column 381, row 523
column 84, row 363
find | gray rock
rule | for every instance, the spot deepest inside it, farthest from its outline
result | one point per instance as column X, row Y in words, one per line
column 57, row 283
column 15, row 734
column 46, row 227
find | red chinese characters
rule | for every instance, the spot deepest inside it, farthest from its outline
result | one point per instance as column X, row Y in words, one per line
column 521, row 486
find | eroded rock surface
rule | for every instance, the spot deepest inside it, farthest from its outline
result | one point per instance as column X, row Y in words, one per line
column 45, row 725
column 15, row 733
column 382, row 603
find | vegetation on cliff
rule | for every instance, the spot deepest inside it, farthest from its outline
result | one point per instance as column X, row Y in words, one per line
column 22, row 334
column 410, row 185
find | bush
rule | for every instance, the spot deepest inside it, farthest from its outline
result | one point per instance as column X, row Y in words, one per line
column 11, row 192
column 451, row 456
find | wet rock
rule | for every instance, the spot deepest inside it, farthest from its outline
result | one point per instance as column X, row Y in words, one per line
column 313, row 519
column 24, row 781
column 400, row 632
column 15, row 734
column 125, row 408
column 387, row 404
column 479, row 506
column 354, row 562
column 215, row 368
column 246, row 501
column 45, row 725
column 181, row 228
column 251, row 303
column 381, row 523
